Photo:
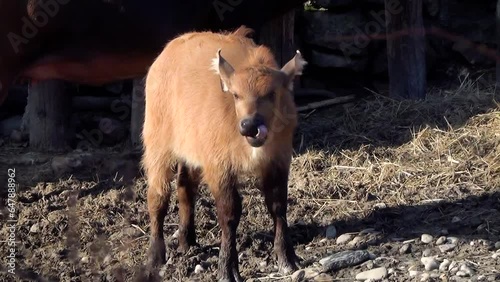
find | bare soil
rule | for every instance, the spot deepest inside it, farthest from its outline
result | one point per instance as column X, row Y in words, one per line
column 394, row 170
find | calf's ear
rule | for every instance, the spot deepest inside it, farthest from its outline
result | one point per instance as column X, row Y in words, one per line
column 293, row 68
column 223, row 69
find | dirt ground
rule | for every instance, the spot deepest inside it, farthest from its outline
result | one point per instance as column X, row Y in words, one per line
column 383, row 170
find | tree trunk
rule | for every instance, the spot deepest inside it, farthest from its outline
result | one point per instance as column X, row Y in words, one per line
column 406, row 49
column 49, row 109
column 279, row 35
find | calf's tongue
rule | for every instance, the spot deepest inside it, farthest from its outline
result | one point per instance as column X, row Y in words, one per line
column 261, row 132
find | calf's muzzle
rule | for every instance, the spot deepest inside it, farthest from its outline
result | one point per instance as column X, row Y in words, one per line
column 254, row 129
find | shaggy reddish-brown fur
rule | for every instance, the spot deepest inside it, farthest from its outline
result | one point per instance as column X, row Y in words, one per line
column 191, row 121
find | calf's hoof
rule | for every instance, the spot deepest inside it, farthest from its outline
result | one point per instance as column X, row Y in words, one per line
column 156, row 255
column 232, row 276
column 184, row 248
column 185, row 243
column 287, row 267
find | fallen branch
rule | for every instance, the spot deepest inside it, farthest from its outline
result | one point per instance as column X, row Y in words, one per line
column 334, row 101
column 304, row 92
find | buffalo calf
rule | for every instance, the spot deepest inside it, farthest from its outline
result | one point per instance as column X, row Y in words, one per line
column 218, row 106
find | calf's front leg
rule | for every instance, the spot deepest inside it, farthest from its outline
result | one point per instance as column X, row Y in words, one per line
column 275, row 189
column 228, row 204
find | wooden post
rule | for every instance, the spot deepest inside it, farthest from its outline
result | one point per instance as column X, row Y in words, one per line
column 406, row 49
column 278, row 34
column 137, row 116
column 49, row 108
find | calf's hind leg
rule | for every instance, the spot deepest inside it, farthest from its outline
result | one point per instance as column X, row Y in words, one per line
column 158, row 175
column 188, row 180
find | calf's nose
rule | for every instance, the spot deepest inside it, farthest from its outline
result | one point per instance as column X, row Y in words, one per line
column 248, row 127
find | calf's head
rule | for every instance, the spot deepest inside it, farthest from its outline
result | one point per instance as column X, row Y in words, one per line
column 257, row 91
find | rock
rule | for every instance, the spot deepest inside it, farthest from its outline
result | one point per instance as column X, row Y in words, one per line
column 344, row 259
column 368, row 264
column 331, row 232
column 455, row 219
column 434, row 275
column 374, row 274
column 426, row 238
column 446, row 247
column 405, row 249
column 425, row 277
column 429, row 263
column 441, row 240
column 355, row 241
column 310, row 273
column 426, row 252
column 413, row 273
column 298, row 275
column 467, row 270
column 444, row 265
column 344, row 238
column 35, row 228
column 497, row 245
column 452, row 265
column 84, row 259
column 198, row 269
column 452, row 240
column 326, row 60
column 323, row 277
column 461, row 273
column 453, row 268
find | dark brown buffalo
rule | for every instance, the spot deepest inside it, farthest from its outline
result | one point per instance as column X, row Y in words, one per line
column 100, row 41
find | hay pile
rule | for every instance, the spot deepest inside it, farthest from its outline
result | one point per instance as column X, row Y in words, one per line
column 399, row 153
